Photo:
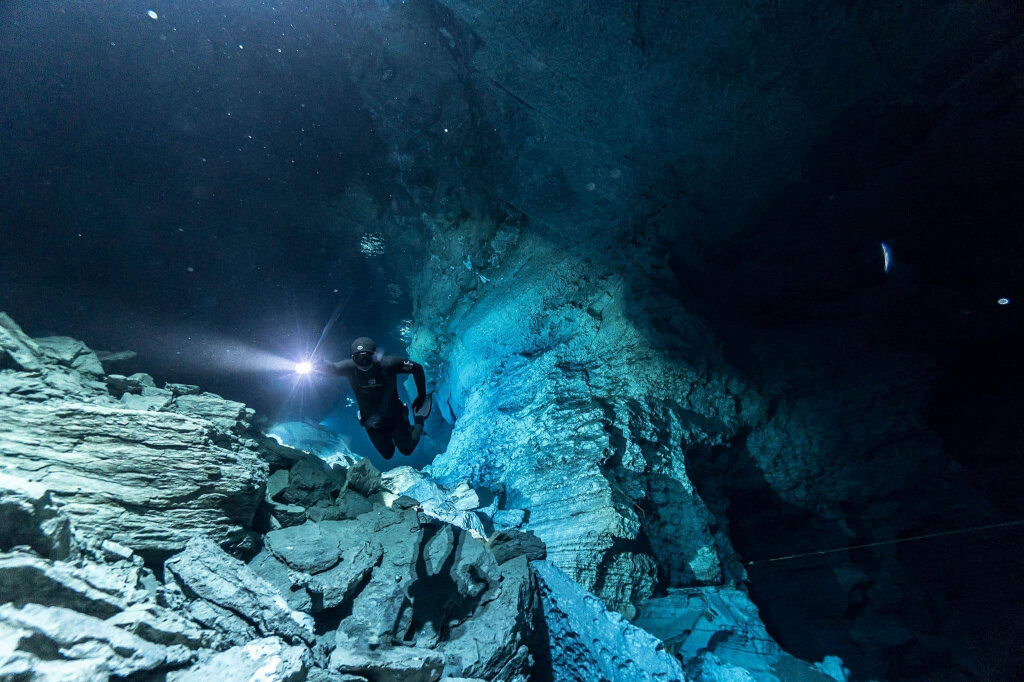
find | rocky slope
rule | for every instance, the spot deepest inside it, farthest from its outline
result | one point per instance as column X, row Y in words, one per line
column 152, row 533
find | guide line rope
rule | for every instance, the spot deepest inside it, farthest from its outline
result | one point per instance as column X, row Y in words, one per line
column 927, row 536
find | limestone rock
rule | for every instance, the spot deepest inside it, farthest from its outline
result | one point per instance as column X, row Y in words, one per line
column 588, row 642
column 111, row 359
column 722, row 622
column 339, row 585
column 29, row 517
column 268, row 660
column 492, row 643
column 207, row 573
column 71, row 353
column 290, row 584
column 147, row 480
column 364, row 478
column 389, row 664
column 475, row 569
column 160, row 625
column 451, row 506
column 227, row 416
column 45, row 642
column 17, row 350
column 508, row 544
column 28, row 579
column 317, row 440
column 509, row 518
column 315, row 547
column 311, row 480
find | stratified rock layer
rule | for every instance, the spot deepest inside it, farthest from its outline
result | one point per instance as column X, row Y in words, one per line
column 354, row 579
column 147, row 479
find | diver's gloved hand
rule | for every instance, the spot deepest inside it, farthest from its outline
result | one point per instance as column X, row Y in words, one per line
column 372, row 422
column 418, row 402
column 323, row 366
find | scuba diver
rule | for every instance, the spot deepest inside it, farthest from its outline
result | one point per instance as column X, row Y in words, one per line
column 381, row 412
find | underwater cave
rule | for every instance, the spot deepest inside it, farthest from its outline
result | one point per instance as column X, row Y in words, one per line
column 708, row 315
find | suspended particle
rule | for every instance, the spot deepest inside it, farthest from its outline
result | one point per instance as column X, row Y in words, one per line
column 886, row 257
column 153, row 15
column 1003, row 301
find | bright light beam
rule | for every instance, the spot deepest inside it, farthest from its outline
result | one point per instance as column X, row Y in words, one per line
column 304, row 367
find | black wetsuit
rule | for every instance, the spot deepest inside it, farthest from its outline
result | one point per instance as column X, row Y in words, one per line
column 381, row 412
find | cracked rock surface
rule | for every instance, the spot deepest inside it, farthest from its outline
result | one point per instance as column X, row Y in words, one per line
column 343, row 575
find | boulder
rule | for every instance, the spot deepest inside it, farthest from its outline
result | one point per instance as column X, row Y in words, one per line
column 289, row 584
column 364, row 478
column 29, row 579
column 227, row 416
column 454, row 506
column 145, row 479
column 588, row 642
column 48, row 642
column 340, row 584
column 160, row 625
column 381, row 611
column 316, row 547
column 29, row 517
column 311, row 480
column 437, row 549
column 508, row 544
column 389, row 664
column 492, row 643
column 71, row 353
column 206, row 573
column 148, row 480
column 17, row 350
column 267, row 660
column 475, row 569
column 111, row 359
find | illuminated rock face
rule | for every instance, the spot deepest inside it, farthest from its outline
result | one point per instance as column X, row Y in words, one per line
column 580, row 408
column 354, row 579
column 126, row 461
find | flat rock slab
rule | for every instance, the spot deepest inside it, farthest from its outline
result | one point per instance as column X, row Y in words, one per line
column 46, row 639
column 389, row 664
column 588, row 642
column 147, row 480
column 263, row 660
column 206, row 572
column 316, row 547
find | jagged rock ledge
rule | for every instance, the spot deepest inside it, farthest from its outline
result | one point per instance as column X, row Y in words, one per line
column 152, row 533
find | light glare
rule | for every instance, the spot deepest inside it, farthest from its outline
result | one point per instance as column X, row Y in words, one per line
column 304, row 367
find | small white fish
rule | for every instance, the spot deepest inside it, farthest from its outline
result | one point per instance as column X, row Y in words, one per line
column 886, row 257
column 153, row 15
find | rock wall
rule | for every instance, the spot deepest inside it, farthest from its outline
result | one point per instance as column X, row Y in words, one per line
column 576, row 397
column 143, row 466
column 340, row 575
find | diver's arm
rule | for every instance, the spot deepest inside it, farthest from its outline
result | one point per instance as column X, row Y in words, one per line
column 333, row 368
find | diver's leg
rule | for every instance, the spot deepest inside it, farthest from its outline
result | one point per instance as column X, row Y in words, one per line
column 381, row 440
column 405, row 436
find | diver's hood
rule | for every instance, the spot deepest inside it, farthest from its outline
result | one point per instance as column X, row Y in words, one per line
column 364, row 349
column 363, row 344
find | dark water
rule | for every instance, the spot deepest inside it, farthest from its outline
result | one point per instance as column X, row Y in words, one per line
column 170, row 185
column 166, row 186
